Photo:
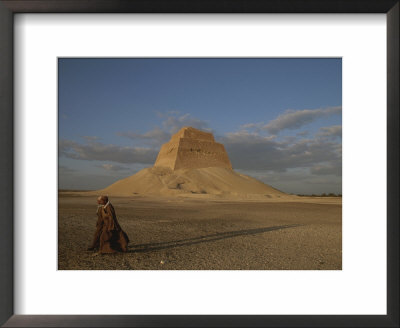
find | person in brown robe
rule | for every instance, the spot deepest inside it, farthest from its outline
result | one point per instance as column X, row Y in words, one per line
column 109, row 237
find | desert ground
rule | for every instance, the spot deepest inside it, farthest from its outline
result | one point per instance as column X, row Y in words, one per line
column 172, row 233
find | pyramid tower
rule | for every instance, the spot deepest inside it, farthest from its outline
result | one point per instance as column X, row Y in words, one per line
column 190, row 148
column 192, row 164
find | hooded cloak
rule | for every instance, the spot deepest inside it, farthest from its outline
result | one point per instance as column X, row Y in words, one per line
column 109, row 236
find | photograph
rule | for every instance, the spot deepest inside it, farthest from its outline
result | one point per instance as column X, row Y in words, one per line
column 199, row 163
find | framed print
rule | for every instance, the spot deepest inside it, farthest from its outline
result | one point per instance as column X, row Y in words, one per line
column 191, row 164
column 130, row 102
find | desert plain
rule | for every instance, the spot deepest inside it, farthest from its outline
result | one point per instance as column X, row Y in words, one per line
column 203, row 233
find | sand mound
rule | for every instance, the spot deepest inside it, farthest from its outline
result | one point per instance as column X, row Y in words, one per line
column 164, row 181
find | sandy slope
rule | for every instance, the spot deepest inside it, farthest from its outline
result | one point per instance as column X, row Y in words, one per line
column 203, row 181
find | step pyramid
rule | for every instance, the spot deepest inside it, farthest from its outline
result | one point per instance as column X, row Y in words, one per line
column 190, row 148
column 192, row 164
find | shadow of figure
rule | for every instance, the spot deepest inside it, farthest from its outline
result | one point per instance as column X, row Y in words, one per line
column 204, row 239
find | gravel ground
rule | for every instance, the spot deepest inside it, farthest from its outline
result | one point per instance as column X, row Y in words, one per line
column 176, row 234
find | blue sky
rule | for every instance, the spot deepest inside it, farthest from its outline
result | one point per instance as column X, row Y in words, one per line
column 279, row 119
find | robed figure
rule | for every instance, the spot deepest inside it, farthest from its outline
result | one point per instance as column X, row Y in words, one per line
column 109, row 236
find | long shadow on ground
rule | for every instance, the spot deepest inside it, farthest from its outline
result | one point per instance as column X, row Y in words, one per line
column 204, row 239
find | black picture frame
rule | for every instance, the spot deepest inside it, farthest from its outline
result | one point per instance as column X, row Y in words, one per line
column 10, row 7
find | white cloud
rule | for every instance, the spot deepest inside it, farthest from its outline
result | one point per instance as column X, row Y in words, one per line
column 294, row 119
column 90, row 138
column 62, row 169
column 113, row 167
column 253, row 151
column 252, row 126
column 303, row 133
column 328, row 169
column 331, row 131
column 93, row 150
column 173, row 123
column 154, row 137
